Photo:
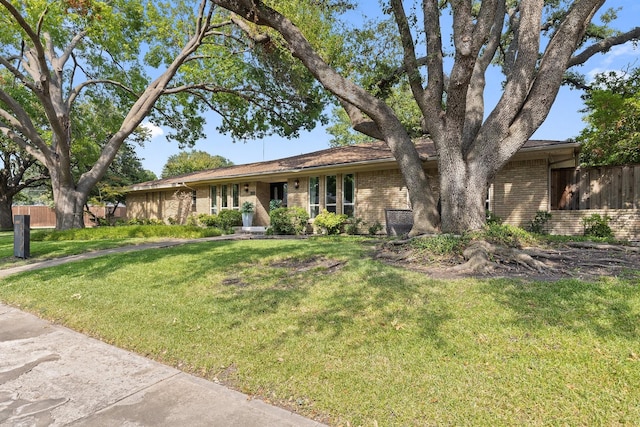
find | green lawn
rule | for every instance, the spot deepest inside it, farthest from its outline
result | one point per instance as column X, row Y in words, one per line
column 47, row 244
column 318, row 326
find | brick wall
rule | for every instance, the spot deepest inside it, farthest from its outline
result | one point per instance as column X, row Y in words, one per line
column 625, row 223
column 520, row 190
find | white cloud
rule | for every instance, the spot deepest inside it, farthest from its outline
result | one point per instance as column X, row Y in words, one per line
column 617, row 59
column 153, row 129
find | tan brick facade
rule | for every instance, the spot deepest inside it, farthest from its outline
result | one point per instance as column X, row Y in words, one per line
column 519, row 190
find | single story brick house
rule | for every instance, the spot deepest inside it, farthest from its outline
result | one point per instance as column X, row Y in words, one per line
column 364, row 181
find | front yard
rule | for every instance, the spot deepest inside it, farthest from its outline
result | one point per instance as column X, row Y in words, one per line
column 320, row 327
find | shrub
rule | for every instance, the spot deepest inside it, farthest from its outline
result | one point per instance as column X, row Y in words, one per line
column 145, row 221
column 596, row 225
column 538, row 222
column 330, row 222
column 493, row 218
column 227, row 219
column 275, row 204
column 288, row 220
column 208, row 220
column 375, row 228
column 353, row 226
column 192, row 221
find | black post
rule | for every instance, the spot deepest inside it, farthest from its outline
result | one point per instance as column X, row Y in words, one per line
column 21, row 236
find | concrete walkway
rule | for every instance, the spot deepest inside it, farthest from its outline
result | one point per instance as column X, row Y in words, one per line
column 53, row 376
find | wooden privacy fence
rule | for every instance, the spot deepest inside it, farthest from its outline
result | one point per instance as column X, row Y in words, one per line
column 45, row 217
column 612, row 187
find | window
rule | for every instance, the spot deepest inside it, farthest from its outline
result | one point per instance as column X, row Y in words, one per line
column 330, row 192
column 235, row 202
column 314, row 196
column 194, row 197
column 214, row 199
column 348, row 194
column 224, row 200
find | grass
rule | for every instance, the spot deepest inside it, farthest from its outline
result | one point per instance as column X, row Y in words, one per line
column 46, row 244
column 354, row 341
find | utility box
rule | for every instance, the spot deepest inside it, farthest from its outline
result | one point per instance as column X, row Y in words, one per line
column 21, row 236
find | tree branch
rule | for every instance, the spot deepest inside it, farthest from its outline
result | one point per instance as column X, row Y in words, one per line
column 604, row 45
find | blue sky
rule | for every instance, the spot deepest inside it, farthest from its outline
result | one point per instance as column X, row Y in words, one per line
column 564, row 120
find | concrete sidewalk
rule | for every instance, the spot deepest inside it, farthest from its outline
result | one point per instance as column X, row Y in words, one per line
column 53, row 376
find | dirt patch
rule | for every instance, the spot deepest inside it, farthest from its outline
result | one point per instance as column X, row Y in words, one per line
column 581, row 260
column 296, row 265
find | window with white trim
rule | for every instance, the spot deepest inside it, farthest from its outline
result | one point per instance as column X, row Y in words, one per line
column 224, row 197
column 214, row 200
column 235, row 196
column 330, row 193
column 348, row 194
column 314, row 196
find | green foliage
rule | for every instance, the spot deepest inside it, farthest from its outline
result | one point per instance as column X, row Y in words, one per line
column 247, row 207
column 145, row 221
column 187, row 162
column 353, row 226
column 506, row 235
column 375, row 228
column 330, row 222
column 288, row 220
column 227, row 219
column 493, row 218
column 538, row 223
column 612, row 134
column 275, row 204
column 208, row 220
column 596, row 225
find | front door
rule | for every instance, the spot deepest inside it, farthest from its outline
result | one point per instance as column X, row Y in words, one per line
column 278, row 191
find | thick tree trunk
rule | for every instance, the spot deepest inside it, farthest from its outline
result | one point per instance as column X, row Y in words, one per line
column 6, row 215
column 69, row 206
column 463, row 192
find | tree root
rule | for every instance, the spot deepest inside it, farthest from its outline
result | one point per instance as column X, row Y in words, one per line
column 484, row 257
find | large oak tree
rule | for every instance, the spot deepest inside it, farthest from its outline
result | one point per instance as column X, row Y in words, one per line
column 534, row 41
column 88, row 52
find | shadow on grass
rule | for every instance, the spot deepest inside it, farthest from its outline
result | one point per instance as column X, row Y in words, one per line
column 609, row 307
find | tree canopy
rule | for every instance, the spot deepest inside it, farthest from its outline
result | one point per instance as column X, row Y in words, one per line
column 126, row 60
column 612, row 134
column 192, row 161
column 446, row 49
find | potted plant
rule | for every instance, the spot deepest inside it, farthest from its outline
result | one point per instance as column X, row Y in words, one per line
column 247, row 210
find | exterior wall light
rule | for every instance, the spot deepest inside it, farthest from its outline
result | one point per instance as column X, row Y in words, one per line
column 246, row 188
column 296, row 183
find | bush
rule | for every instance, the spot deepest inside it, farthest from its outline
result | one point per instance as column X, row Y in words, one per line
column 493, row 218
column 353, row 226
column 375, row 228
column 538, row 222
column 145, row 221
column 207, row 220
column 227, row 219
column 330, row 222
column 288, row 220
column 596, row 225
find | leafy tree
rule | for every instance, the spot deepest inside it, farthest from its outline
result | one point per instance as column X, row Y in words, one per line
column 74, row 54
column 612, row 134
column 18, row 171
column 534, row 42
column 125, row 170
column 193, row 161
